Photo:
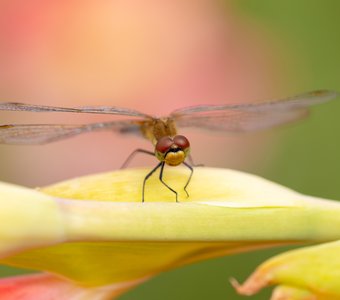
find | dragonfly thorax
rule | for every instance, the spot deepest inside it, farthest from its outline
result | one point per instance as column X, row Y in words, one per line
column 172, row 151
column 158, row 128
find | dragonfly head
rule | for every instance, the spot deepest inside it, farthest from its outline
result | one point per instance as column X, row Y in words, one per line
column 172, row 151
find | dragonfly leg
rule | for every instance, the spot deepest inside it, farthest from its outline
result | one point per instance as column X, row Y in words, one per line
column 148, row 176
column 192, row 162
column 161, row 179
column 132, row 155
column 192, row 171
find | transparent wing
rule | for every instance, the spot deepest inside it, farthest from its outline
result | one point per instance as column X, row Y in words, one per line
column 240, row 121
column 250, row 117
column 112, row 110
column 35, row 134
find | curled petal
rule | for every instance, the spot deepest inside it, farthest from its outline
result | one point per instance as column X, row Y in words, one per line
column 307, row 273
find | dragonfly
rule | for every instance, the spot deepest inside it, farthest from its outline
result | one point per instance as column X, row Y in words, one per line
column 170, row 148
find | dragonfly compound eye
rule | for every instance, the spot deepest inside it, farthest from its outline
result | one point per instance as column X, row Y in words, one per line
column 181, row 141
column 164, row 144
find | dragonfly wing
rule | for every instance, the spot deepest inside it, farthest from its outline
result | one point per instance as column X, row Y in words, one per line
column 250, row 117
column 112, row 110
column 239, row 121
column 296, row 102
column 35, row 134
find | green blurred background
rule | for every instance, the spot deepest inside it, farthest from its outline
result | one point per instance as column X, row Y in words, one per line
column 304, row 157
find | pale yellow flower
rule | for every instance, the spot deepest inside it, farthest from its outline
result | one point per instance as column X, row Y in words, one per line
column 95, row 235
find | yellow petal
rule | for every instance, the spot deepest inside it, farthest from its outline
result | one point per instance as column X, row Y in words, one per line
column 95, row 230
column 314, row 270
column 28, row 218
column 283, row 292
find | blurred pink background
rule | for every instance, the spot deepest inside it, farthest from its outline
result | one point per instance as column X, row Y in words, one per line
column 150, row 55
